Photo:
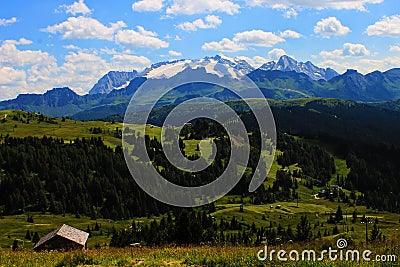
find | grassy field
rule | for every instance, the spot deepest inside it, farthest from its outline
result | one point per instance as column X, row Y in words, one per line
column 185, row 256
column 14, row 123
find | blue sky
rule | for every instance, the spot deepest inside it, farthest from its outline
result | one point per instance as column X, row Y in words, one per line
column 47, row 44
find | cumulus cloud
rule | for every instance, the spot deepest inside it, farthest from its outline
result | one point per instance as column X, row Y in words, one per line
column 290, row 13
column 76, row 8
column 85, row 28
column 191, row 7
column 387, row 26
column 140, row 38
column 242, row 40
column 147, row 5
column 319, row 5
column 79, row 71
column 225, row 45
column 174, row 53
column 290, row 34
column 363, row 65
column 394, row 48
column 210, row 22
column 329, row 27
column 11, row 56
column 126, row 62
column 349, row 50
column 21, row 41
column 255, row 61
column 257, row 38
column 276, row 53
column 5, row 22
column 13, row 62
column 12, row 82
column 35, row 71
column 71, row 47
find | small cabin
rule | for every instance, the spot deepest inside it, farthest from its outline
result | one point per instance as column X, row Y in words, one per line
column 64, row 238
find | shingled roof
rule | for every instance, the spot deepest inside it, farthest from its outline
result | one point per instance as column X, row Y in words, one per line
column 67, row 232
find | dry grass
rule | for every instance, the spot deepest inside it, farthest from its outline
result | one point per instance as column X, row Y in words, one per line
column 182, row 256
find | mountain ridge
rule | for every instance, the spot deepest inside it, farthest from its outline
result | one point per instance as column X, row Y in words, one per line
column 275, row 84
column 286, row 63
column 113, row 80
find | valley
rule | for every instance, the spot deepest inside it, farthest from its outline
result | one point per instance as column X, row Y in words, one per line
column 244, row 208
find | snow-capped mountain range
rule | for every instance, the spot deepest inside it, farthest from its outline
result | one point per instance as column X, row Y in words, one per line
column 219, row 65
column 286, row 63
column 280, row 80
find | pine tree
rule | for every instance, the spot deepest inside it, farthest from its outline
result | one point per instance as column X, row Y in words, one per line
column 375, row 233
column 28, row 235
column 35, row 238
column 304, row 232
column 339, row 214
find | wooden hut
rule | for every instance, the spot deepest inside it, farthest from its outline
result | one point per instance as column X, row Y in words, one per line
column 64, row 238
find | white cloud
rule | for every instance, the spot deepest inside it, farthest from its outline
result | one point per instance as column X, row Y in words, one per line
column 387, row 26
column 21, row 41
column 355, row 50
column 210, row 22
column 255, row 61
column 5, row 22
column 276, row 53
column 147, row 5
column 12, row 82
column 126, row 62
column 242, row 40
column 313, row 4
column 85, row 28
column 362, row 65
column 11, row 56
column 174, row 53
column 329, row 27
column 79, row 72
column 257, row 38
column 76, row 8
column 349, row 50
column 290, row 13
column 71, row 47
column 290, row 34
column 13, row 61
column 225, row 45
column 35, row 71
column 394, row 48
column 191, row 7
column 140, row 38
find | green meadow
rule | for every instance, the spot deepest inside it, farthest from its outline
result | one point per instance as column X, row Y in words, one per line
column 284, row 214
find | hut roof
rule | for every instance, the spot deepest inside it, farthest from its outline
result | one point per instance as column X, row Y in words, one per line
column 67, row 232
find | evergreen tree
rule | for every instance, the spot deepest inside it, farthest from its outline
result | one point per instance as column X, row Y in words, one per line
column 304, row 232
column 339, row 214
column 28, row 235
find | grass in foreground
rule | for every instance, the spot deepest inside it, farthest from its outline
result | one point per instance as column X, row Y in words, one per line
column 181, row 256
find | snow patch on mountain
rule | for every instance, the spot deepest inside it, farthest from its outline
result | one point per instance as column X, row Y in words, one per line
column 286, row 63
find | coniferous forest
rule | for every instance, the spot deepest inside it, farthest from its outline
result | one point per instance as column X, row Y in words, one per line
column 85, row 177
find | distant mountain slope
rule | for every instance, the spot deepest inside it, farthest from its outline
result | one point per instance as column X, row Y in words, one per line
column 280, row 84
column 319, row 119
column 113, row 80
column 352, row 85
column 286, row 63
